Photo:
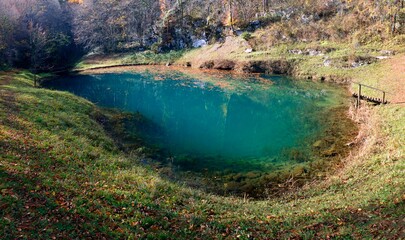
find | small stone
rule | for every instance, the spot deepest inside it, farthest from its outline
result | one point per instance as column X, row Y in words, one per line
column 386, row 52
column 381, row 57
column 330, row 152
column 297, row 171
column 252, row 175
column 295, row 51
column 313, row 52
column 327, row 63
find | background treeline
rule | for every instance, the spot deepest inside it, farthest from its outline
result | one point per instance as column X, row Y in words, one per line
column 51, row 34
column 36, row 34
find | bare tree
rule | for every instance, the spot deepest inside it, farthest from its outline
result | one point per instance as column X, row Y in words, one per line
column 35, row 34
column 110, row 25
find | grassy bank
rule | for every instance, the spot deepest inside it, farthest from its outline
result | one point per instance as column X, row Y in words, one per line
column 320, row 61
column 326, row 60
column 61, row 175
column 140, row 58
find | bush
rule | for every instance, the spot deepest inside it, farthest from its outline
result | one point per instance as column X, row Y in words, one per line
column 247, row 36
column 155, row 47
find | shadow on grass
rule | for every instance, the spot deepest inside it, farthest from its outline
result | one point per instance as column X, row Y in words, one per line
column 31, row 210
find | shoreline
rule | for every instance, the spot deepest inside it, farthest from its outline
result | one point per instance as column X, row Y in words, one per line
column 370, row 184
column 325, row 168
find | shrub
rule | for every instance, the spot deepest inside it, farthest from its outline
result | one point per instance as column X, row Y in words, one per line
column 247, row 36
column 155, row 47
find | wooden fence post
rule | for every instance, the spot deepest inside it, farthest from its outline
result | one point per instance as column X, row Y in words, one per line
column 370, row 99
column 358, row 97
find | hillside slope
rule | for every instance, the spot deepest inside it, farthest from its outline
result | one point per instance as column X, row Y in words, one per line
column 61, row 173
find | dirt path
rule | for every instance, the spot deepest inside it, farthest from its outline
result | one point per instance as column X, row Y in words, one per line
column 395, row 78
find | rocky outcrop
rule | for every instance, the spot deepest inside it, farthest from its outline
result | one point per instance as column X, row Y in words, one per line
column 219, row 65
column 187, row 32
column 267, row 66
column 224, row 65
column 317, row 51
column 207, row 65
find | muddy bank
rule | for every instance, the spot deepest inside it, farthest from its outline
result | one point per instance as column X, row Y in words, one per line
column 268, row 66
column 274, row 66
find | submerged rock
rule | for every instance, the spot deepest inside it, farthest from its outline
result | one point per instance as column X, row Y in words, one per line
column 252, row 175
column 317, row 144
column 330, row 152
column 298, row 170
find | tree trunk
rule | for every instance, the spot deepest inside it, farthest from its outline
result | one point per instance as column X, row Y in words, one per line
column 231, row 15
column 394, row 22
column 180, row 4
column 397, row 6
column 265, row 6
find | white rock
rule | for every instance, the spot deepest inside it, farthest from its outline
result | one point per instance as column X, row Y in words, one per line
column 295, row 51
column 313, row 52
column 199, row 43
column 327, row 63
column 381, row 57
column 386, row 52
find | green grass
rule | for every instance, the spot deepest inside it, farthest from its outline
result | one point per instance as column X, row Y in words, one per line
column 341, row 56
column 138, row 58
column 62, row 176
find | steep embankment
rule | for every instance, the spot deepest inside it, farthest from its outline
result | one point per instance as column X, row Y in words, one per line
column 323, row 61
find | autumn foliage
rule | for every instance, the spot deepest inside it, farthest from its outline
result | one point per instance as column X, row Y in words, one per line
column 38, row 34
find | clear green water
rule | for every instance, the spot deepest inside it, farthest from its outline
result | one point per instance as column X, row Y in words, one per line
column 209, row 121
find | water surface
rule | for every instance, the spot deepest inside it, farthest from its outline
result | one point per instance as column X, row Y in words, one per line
column 217, row 121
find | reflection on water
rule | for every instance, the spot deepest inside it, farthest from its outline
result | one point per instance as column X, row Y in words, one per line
column 211, row 121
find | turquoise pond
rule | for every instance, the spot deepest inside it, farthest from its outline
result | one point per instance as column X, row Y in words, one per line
column 203, row 120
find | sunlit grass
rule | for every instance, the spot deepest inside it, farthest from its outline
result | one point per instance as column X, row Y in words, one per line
column 61, row 172
column 138, row 58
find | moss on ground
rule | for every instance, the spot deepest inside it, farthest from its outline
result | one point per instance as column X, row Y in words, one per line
column 62, row 176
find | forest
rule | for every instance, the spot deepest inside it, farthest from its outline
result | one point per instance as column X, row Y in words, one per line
column 45, row 35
